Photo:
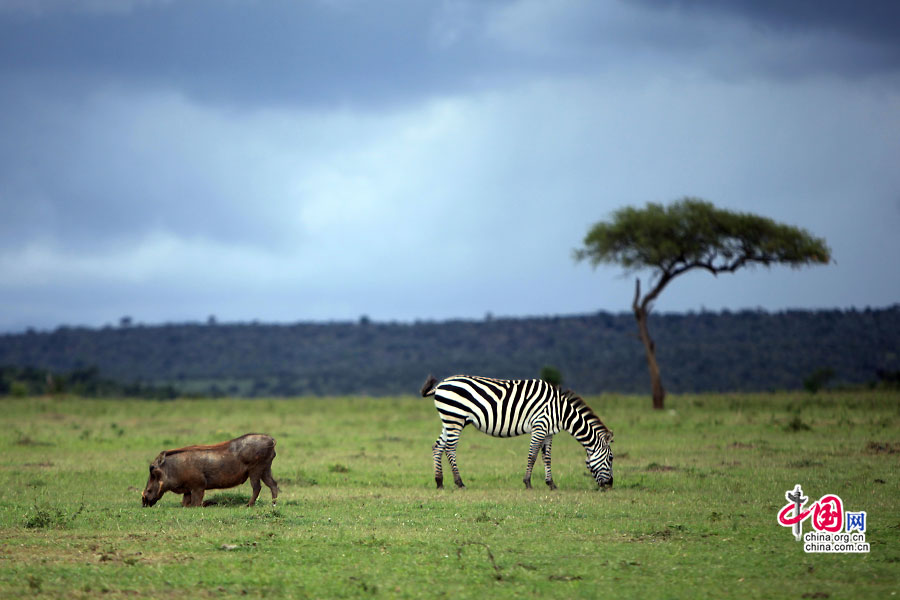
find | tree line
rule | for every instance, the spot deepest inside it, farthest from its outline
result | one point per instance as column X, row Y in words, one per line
column 748, row 350
column 86, row 382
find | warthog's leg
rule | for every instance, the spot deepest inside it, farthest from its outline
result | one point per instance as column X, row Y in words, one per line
column 270, row 481
column 197, row 496
column 186, row 499
column 254, row 483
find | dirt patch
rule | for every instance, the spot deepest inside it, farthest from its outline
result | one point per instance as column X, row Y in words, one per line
column 79, row 550
column 659, row 536
column 26, row 440
column 129, row 559
column 741, row 446
column 391, row 438
column 657, row 468
column 883, row 448
column 804, row 463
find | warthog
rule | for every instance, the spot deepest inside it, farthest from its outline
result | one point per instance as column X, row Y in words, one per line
column 194, row 469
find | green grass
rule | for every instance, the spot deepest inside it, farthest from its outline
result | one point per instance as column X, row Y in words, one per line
column 693, row 513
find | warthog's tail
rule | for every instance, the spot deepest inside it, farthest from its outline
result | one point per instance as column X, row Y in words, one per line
column 428, row 386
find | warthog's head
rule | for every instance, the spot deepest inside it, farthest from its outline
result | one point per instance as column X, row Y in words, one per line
column 599, row 461
column 155, row 483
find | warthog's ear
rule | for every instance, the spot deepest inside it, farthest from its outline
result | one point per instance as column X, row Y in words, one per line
column 158, row 463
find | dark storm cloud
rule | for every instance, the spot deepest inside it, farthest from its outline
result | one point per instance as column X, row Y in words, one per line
column 864, row 19
column 324, row 53
column 851, row 38
column 247, row 52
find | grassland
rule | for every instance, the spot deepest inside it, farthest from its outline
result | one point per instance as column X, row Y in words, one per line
column 693, row 513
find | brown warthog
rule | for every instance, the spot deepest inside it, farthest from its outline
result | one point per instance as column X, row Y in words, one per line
column 194, row 469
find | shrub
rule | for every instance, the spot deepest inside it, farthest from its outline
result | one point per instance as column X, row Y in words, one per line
column 45, row 517
column 551, row 375
column 818, row 379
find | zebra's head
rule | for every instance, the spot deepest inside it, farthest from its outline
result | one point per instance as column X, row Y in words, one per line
column 599, row 462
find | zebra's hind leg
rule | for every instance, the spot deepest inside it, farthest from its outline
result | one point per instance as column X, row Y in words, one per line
column 437, row 452
column 451, row 438
column 451, row 456
column 537, row 442
column 545, row 451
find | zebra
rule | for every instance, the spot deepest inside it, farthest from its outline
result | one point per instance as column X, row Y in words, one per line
column 507, row 408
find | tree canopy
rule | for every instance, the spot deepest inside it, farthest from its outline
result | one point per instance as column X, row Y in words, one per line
column 692, row 233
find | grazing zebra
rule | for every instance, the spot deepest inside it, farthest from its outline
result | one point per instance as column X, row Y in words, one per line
column 507, row 408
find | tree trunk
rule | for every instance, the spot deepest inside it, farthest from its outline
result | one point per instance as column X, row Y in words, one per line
column 640, row 314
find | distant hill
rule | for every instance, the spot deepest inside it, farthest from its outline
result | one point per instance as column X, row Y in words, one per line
column 727, row 351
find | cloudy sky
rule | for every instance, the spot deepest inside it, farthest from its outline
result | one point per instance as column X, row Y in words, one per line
column 302, row 160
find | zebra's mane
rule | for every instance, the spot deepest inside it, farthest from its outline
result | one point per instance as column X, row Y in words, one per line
column 578, row 403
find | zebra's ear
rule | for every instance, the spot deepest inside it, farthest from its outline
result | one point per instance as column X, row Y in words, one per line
column 608, row 436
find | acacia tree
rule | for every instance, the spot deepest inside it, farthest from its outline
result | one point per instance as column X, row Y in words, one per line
column 691, row 234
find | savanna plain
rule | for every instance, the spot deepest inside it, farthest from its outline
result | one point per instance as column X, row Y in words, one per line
column 692, row 514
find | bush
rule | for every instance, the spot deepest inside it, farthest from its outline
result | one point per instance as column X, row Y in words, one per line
column 818, row 379
column 45, row 517
column 18, row 389
column 551, row 375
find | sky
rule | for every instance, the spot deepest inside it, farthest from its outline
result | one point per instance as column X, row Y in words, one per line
column 323, row 160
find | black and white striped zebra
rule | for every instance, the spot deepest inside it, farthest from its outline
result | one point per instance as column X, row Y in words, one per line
column 507, row 408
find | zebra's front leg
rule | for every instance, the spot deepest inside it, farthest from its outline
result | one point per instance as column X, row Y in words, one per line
column 537, row 441
column 545, row 451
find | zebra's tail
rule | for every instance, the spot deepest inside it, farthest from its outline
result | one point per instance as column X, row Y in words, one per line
column 429, row 386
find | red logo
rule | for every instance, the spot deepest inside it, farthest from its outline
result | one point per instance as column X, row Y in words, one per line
column 827, row 513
